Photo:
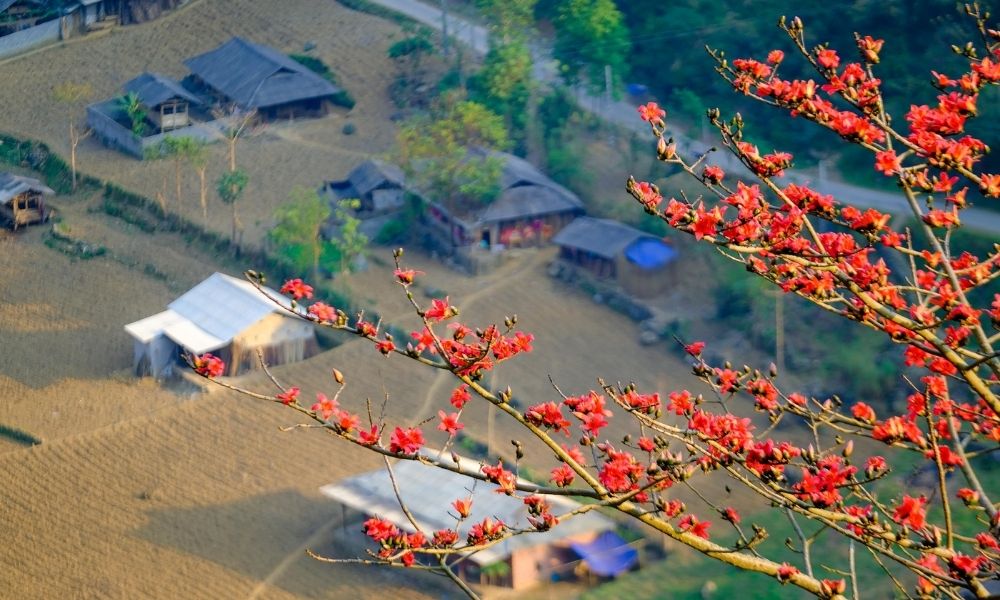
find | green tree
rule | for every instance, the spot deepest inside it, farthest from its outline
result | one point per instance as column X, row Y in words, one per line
column 504, row 84
column 297, row 235
column 350, row 242
column 73, row 95
column 433, row 150
column 230, row 188
column 591, row 35
column 136, row 113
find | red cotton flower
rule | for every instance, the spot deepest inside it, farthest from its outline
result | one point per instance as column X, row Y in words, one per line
column 406, row 276
column 863, row 412
column 786, row 572
column 652, row 113
column 460, row 396
column 440, row 310
column 911, row 512
column 380, row 530
column 289, row 397
column 649, row 195
column 713, row 174
column 208, row 365
column 449, row 422
column 406, row 441
column 385, row 346
column 775, row 57
column 323, row 312
column 828, row 58
column 500, row 476
column 562, row 476
column 297, row 289
column 369, row 437
column 887, row 163
column 463, row 506
column 324, row 406
column 969, row 496
column 691, row 524
column 694, row 348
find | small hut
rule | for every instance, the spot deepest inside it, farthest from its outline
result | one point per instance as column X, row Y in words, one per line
column 518, row 562
column 22, row 200
column 609, row 250
column 254, row 76
column 228, row 317
column 166, row 102
column 380, row 186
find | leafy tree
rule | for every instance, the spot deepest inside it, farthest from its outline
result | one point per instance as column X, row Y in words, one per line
column 298, row 231
column 840, row 477
column 136, row 113
column 349, row 242
column 590, row 35
column 230, row 188
column 434, row 152
column 73, row 95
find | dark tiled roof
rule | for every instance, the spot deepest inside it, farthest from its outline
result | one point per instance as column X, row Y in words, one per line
column 603, row 237
column 255, row 76
column 372, row 173
column 527, row 201
column 154, row 89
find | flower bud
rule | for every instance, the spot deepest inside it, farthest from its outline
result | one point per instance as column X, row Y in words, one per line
column 338, row 376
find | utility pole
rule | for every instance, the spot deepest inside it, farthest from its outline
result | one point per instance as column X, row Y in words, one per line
column 444, row 27
column 607, row 100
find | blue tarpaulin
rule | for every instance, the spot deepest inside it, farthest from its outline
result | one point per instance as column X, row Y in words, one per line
column 650, row 253
column 608, row 555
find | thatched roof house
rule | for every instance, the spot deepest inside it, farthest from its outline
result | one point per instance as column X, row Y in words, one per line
column 428, row 493
column 228, row 317
column 607, row 249
column 528, row 211
column 254, row 76
column 379, row 185
column 166, row 101
column 22, row 200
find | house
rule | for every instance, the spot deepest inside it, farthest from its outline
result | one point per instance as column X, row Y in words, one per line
column 166, row 103
column 380, row 186
column 228, row 317
column 518, row 562
column 253, row 76
column 528, row 211
column 612, row 251
column 22, row 200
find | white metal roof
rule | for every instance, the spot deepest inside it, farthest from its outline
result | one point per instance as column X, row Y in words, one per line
column 209, row 315
column 429, row 491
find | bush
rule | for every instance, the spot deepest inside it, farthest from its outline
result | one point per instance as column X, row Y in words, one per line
column 349, row 129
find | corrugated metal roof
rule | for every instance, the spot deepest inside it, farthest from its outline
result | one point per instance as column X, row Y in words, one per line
column 12, row 185
column 154, row 89
column 603, row 237
column 428, row 493
column 374, row 172
column 209, row 315
column 256, row 76
column 224, row 306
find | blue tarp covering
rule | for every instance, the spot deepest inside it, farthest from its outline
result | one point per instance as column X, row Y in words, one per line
column 608, row 555
column 650, row 253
